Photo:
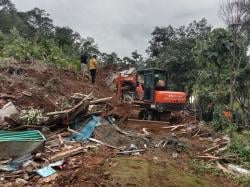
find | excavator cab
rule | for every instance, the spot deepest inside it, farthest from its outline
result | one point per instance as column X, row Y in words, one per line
column 153, row 80
column 148, row 90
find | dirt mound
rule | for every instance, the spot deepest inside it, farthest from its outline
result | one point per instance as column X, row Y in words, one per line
column 46, row 85
column 111, row 136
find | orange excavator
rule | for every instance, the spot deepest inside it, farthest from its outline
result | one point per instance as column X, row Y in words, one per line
column 147, row 89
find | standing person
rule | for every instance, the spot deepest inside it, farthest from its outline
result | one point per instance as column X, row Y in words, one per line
column 92, row 68
column 84, row 64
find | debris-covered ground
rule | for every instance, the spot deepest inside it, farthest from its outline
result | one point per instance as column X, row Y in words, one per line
column 88, row 141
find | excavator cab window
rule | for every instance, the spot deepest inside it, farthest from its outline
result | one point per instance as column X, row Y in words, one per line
column 148, row 86
column 160, row 81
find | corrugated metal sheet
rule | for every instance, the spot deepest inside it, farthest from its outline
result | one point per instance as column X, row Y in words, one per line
column 15, row 144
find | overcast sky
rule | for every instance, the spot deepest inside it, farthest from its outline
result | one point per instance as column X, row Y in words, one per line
column 124, row 25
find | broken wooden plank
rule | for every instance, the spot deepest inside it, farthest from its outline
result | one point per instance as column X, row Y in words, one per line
column 64, row 117
column 60, row 139
column 66, row 154
column 207, row 157
column 56, row 113
column 51, row 150
column 147, row 122
column 173, row 126
column 54, row 136
column 71, row 109
column 198, row 131
column 102, row 143
column 214, row 147
column 72, row 114
column 103, row 100
column 131, row 151
column 26, row 93
column 80, row 103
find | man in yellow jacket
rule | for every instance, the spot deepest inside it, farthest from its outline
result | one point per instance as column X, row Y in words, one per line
column 92, row 68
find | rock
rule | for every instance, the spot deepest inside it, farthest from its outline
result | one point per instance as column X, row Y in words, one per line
column 20, row 182
column 48, row 179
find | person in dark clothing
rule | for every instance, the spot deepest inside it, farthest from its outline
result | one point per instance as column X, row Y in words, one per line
column 84, row 64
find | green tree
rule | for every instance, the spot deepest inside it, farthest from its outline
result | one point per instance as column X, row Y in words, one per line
column 223, row 61
column 128, row 60
column 171, row 49
column 110, row 58
column 9, row 17
column 137, row 57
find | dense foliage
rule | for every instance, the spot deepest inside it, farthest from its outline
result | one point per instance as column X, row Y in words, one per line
column 32, row 35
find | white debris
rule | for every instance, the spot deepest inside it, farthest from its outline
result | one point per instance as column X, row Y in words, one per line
column 239, row 169
column 8, row 110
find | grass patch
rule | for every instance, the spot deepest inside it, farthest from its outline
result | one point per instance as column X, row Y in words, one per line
column 240, row 145
column 201, row 168
column 129, row 172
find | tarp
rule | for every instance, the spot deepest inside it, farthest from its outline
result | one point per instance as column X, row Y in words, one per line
column 87, row 130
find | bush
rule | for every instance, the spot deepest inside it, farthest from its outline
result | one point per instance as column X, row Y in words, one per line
column 16, row 46
column 240, row 146
column 220, row 122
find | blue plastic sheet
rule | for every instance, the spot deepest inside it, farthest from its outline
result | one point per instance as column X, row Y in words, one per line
column 46, row 171
column 87, row 130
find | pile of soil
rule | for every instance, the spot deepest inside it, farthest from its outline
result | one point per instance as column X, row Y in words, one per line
column 48, row 86
column 111, row 136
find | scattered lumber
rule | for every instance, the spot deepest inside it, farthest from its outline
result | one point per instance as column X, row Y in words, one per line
column 70, row 114
column 216, row 158
column 26, row 93
column 51, row 150
column 196, row 134
column 65, row 154
column 174, row 126
column 56, row 113
column 132, row 151
column 98, row 101
column 214, row 147
column 102, row 143
column 147, row 122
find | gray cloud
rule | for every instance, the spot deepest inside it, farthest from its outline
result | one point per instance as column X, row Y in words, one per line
column 123, row 25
